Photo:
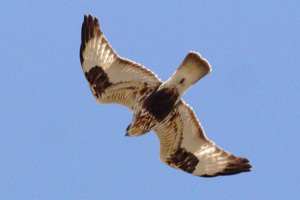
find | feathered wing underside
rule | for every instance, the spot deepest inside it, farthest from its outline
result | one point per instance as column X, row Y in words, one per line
column 183, row 145
column 112, row 79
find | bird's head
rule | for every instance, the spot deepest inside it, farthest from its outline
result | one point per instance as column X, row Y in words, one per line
column 134, row 130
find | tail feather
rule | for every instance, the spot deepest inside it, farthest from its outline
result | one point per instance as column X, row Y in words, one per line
column 192, row 69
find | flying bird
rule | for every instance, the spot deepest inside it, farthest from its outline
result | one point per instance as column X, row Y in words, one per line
column 156, row 105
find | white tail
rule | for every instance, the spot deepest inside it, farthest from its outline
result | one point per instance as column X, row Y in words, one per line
column 192, row 69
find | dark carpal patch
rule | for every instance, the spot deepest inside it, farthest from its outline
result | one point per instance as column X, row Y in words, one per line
column 160, row 103
column 184, row 160
column 98, row 79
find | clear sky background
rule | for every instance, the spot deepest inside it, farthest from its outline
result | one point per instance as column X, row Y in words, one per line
column 57, row 142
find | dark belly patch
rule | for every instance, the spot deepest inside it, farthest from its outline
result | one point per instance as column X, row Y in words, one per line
column 184, row 160
column 98, row 79
column 161, row 103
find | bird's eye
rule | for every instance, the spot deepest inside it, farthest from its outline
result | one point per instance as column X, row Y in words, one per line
column 182, row 80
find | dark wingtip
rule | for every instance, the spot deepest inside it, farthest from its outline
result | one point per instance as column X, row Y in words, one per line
column 236, row 166
column 89, row 27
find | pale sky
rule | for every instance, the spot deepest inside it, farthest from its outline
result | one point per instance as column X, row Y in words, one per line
column 57, row 142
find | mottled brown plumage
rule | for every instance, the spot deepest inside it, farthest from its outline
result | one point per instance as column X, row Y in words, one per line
column 156, row 105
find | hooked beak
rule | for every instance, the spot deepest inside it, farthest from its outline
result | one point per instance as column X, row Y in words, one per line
column 127, row 130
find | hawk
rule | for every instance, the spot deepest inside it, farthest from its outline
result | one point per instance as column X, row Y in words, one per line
column 156, row 105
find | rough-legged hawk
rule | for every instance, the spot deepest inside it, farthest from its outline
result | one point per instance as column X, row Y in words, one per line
column 156, row 105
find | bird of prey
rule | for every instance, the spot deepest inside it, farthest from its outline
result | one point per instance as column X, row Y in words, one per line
column 156, row 105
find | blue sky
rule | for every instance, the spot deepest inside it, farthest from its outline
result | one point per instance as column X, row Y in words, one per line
column 57, row 142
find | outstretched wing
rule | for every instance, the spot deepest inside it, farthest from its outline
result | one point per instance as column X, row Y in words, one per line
column 112, row 79
column 183, row 145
